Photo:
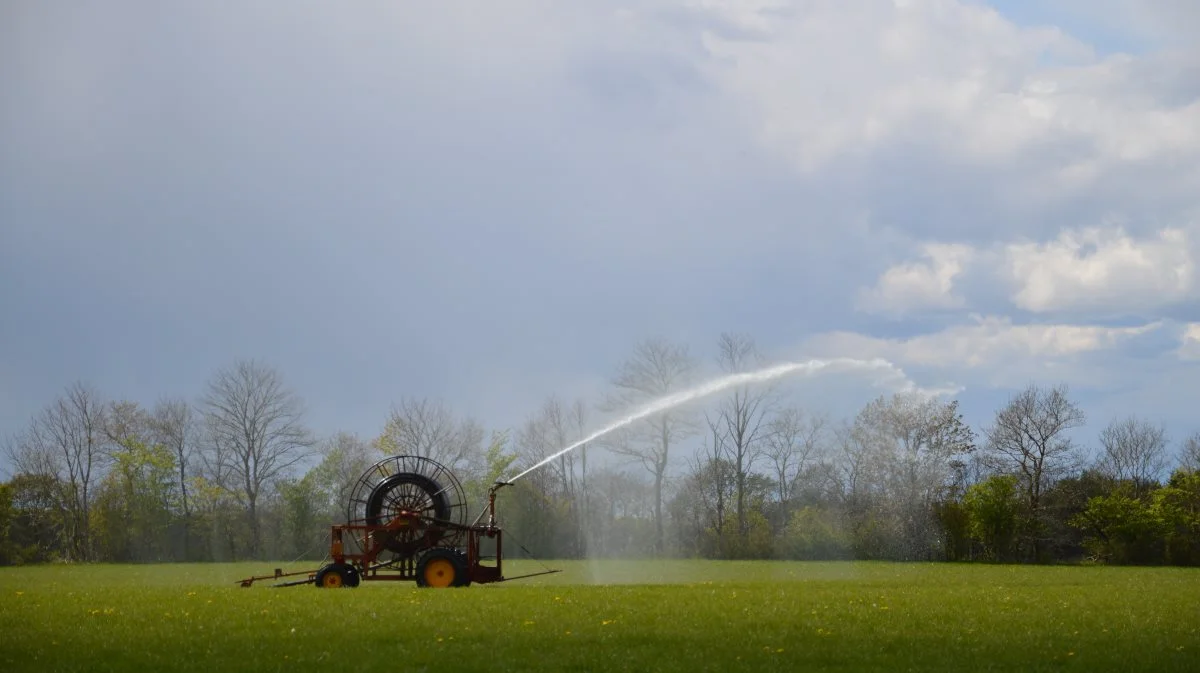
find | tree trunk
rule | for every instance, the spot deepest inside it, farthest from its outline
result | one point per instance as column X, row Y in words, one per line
column 659, row 474
column 252, row 510
column 741, row 497
column 658, row 522
column 187, row 514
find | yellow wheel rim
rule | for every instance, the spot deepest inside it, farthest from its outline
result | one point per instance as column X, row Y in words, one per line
column 439, row 572
column 332, row 580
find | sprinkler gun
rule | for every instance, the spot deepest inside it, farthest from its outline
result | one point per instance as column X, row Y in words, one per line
column 492, row 501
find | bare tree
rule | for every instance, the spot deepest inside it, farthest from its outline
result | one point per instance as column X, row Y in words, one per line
column 852, row 466
column 67, row 439
column 255, row 427
column 31, row 457
column 655, row 369
column 713, row 482
column 174, row 426
column 428, row 428
column 1028, row 438
column 1189, row 453
column 577, row 419
column 559, row 433
column 791, row 443
column 559, row 426
column 1133, row 449
column 740, row 417
column 553, row 427
column 533, row 442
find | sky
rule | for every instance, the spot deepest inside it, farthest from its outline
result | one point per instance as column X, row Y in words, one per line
column 489, row 203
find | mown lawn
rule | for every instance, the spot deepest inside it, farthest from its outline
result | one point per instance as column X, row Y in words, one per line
column 608, row 616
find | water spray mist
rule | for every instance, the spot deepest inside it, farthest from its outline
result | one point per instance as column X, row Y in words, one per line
column 715, row 386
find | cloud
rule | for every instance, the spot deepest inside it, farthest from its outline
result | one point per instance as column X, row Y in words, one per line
column 1102, row 270
column 951, row 108
column 490, row 203
column 972, row 84
column 989, row 349
column 938, row 68
column 1111, row 371
column 1189, row 342
column 919, row 285
column 1095, row 272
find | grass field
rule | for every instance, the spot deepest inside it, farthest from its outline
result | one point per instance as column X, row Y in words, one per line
column 609, row 616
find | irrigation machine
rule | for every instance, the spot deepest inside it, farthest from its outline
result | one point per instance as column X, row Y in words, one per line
column 407, row 520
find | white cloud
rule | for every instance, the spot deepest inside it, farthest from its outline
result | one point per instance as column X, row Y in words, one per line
column 919, row 285
column 910, row 66
column 827, row 82
column 1189, row 342
column 990, row 342
column 1101, row 269
column 1098, row 271
column 1115, row 369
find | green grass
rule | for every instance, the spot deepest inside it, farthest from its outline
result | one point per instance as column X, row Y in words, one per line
column 627, row 616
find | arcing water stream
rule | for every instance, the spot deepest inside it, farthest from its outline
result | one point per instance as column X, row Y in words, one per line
column 712, row 387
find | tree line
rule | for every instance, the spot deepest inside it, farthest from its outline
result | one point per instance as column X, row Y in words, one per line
column 236, row 474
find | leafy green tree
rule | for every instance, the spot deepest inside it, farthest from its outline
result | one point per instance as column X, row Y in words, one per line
column 757, row 542
column 346, row 458
column 994, row 509
column 1123, row 529
column 1177, row 505
column 37, row 530
column 217, row 521
column 305, row 533
column 8, row 550
column 1062, row 503
column 815, row 534
column 956, row 529
column 135, row 502
column 498, row 460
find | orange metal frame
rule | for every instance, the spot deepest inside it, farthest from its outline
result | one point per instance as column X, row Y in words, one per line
column 370, row 541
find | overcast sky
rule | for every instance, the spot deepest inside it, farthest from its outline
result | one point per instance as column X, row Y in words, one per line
column 491, row 202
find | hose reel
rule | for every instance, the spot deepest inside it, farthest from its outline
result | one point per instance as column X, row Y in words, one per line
column 409, row 487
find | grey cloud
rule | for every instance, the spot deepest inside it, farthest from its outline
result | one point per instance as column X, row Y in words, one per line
column 487, row 203
column 365, row 210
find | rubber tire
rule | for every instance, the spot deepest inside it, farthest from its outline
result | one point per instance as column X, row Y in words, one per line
column 349, row 575
column 456, row 558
